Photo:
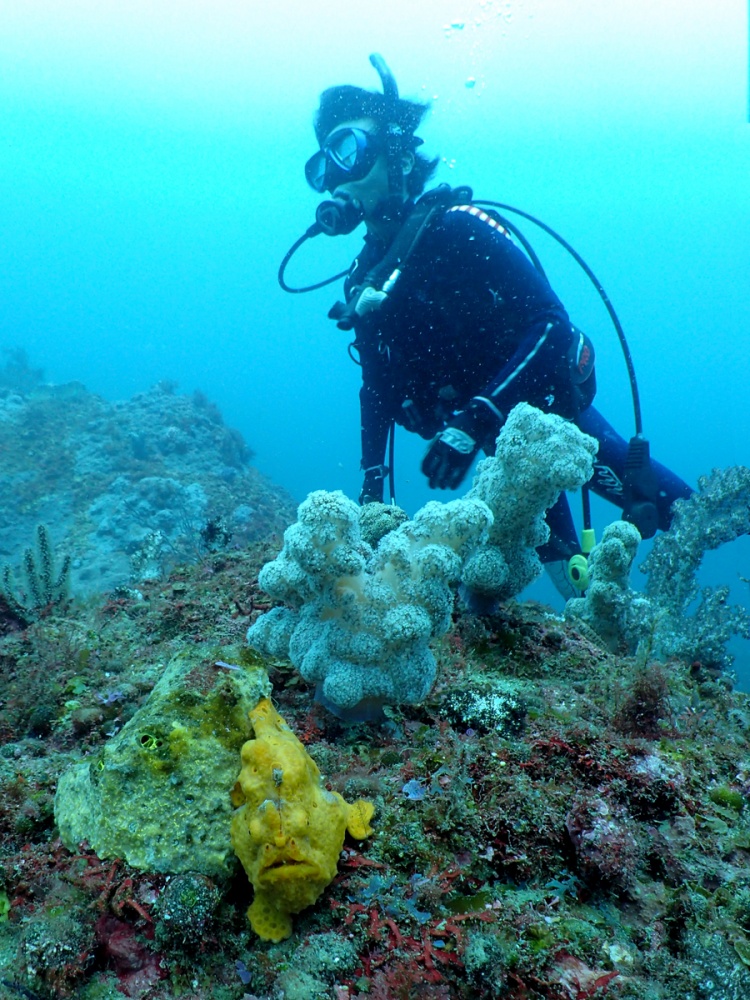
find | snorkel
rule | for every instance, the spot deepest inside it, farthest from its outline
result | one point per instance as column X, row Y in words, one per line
column 394, row 137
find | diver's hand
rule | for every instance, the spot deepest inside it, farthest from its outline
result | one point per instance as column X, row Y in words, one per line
column 453, row 450
column 449, row 458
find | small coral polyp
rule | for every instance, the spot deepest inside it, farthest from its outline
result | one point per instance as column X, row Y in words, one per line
column 288, row 829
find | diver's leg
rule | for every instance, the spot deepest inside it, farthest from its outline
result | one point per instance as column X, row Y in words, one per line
column 563, row 538
column 561, row 545
column 609, row 468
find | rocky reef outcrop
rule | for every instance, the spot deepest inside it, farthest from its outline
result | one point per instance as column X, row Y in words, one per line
column 126, row 489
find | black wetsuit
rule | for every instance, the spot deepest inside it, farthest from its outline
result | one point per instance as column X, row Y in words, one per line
column 470, row 316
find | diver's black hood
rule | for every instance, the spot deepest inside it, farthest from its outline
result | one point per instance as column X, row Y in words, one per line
column 347, row 103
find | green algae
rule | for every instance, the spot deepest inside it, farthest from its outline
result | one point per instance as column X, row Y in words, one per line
column 722, row 795
column 157, row 793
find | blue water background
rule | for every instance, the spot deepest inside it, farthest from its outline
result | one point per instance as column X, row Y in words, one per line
column 151, row 179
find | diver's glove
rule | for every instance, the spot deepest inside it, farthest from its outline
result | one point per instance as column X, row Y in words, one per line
column 452, row 451
column 372, row 487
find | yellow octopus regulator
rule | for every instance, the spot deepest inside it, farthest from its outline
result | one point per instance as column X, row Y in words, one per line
column 288, row 829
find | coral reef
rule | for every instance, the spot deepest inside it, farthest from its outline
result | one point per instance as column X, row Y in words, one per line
column 128, row 488
column 44, row 586
column 673, row 617
column 17, row 375
column 538, row 456
column 185, row 910
column 719, row 512
column 360, row 622
column 288, row 829
column 619, row 615
column 378, row 519
column 555, row 820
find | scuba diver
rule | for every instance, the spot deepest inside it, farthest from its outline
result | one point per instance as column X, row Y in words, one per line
column 453, row 323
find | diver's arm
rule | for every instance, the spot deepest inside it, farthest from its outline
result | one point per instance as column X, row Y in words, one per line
column 509, row 302
column 552, row 368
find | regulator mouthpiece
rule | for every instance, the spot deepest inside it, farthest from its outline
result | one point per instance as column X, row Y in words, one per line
column 339, row 216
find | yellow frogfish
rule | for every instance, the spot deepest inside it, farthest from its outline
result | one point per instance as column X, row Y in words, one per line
column 287, row 829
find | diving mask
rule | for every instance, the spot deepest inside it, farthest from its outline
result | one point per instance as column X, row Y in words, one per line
column 348, row 154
